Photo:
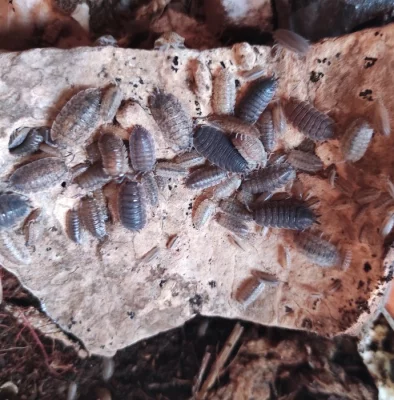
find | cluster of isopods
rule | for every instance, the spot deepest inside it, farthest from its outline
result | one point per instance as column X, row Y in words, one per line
column 242, row 178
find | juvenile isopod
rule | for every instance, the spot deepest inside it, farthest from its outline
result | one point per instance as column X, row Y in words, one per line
column 113, row 153
column 308, row 120
column 233, row 224
column 251, row 288
column 382, row 118
column 235, row 208
column 366, row 195
column 93, row 178
column 101, row 201
column 39, row 175
column 205, row 177
column 388, row 224
column 278, row 117
column 255, row 73
column 172, row 241
column 13, row 208
column 251, row 149
column 356, row 140
column 223, row 96
column 265, row 126
column 25, row 141
column 79, row 168
column 256, row 99
column 142, row 149
column 246, row 198
column 92, row 217
column 305, row 161
column 12, row 249
column 218, row 149
column 151, row 189
column 170, row 170
column 269, row 179
column 190, row 159
column 152, row 254
column 131, row 206
column 227, row 187
column 317, row 249
column 112, row 97
column 291, row 41
column 172, row 118
column 347, row 260
column 73, row 226
column 32, row 229
column 79, row 118
column 287, row 214
column 231, row 124
column 284, row 258
column 203, row 213
column 202, row 79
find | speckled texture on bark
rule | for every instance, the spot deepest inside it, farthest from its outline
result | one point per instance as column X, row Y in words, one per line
column 102, row 294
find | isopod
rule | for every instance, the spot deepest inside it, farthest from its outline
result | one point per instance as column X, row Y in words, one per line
column 347, row 260
column 305, row 161
column 39, row 175
column 131, row 206
column 218, row 149
column 288, row 214
column 265, row 126
column 73, row 225
column 253, row 74
column 151, row 189
column 256, row 99
column 278, row 117
column 318, row 250
column 308, row 120
column 113, row 154
column 251, row 149
column 142, row 149
column 101, row 201
column 12, row 250
column 93, row 152
column 111, row 99
column 251, row 288
column 25, row 141
column 235, row 208
column 269, row 179
column 223, row 96
column 233, row 224
column 356, row 140
column 235, row 241
column 190, row 159
column 205, row 177
column 78, row 169
column 203, row 213
column 32, row 228
column 172, row 118
column 344, row 185
column 307, row 145
column 291, row 41
column 79, row 118
column 284, row 258
column 13, row 208
column 382, row 118
column 170, row 170
column 93, row 178
column 227, row 187
column 246, row 198
column 92, row 217
column 231, row 124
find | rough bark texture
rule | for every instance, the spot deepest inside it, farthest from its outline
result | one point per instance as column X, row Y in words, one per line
column 103, row 295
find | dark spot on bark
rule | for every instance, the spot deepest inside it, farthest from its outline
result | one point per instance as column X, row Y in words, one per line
column 169, row 187
column 376, row 33
column 162, row 282
column 306, row 323
column 175, row 60
column 318, row 60
column 288, row 309
column 337, row 55
column 63, row 184
column 369, row 62
column 48, row 249
column 212, row 284
column 195, row 303
column 316, row 76
column 222, row 64
column 328, row 62
column 367, row 267
column 174, row 69
column 118, row 80
column 135, row 85
column 141, row 81
column 366, row 94
column 360, row 284
column 237, row 83
column 324, row 60
column 131, row 314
